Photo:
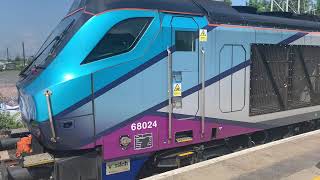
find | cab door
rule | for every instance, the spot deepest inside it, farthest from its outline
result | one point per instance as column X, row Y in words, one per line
column 183, row 76
column 185, row 65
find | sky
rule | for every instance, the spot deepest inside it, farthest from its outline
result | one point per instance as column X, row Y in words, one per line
column 31, row 21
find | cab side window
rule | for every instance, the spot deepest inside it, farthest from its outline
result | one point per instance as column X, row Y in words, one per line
column 185, row 41
column 121, row 38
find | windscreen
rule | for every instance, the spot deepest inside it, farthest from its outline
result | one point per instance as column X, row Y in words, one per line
column 55, row 42
column 77, row 4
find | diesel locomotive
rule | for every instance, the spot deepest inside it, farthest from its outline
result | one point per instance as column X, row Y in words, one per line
column 122, row 89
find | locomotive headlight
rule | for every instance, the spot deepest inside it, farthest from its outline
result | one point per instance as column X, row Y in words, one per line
column 124, row 141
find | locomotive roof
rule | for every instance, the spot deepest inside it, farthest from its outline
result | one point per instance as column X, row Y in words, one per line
column 216, row 12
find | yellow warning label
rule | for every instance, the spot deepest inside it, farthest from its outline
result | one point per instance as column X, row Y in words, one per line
column 177, row 91
column 203, row 35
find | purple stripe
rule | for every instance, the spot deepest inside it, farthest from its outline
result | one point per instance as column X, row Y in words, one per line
column 113, row 150
column 293, row 38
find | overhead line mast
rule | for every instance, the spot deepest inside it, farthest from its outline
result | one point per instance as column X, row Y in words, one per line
column 290, row 6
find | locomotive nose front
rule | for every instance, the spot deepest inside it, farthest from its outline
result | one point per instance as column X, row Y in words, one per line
column 26, row 105
column 55, row 68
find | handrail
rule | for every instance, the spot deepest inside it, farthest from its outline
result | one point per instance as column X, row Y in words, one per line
column 203, row 92
column 48, row 94
column 169, row 94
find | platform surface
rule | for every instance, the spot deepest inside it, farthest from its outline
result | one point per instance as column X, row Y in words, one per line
column 294, row 158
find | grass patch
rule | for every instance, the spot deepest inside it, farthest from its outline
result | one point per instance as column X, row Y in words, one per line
column 8, row 121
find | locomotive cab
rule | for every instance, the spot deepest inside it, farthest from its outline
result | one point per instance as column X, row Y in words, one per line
column 42, row 104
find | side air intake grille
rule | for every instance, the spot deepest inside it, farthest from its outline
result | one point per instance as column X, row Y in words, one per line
column 283, row 77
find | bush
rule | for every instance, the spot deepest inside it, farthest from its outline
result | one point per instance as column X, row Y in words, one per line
column 8, row 121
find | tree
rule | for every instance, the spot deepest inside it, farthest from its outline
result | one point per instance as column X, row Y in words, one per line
column 260, row 5
column 318, row 7
column 18, row 58
column 8, row 121
column 306, row 6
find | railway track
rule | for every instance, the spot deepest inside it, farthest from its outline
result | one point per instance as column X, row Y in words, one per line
column 7, row 145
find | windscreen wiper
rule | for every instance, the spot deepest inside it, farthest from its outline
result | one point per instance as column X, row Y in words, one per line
column 56, row 42
column 60, row 38
column 22, row 73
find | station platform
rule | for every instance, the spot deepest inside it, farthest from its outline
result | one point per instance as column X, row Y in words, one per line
column 294, row 158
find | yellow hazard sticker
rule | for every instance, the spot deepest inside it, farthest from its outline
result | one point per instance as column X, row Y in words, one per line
column 203, row 35
column 177, row 90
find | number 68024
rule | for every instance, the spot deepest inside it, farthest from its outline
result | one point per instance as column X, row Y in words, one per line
column 143, row 125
